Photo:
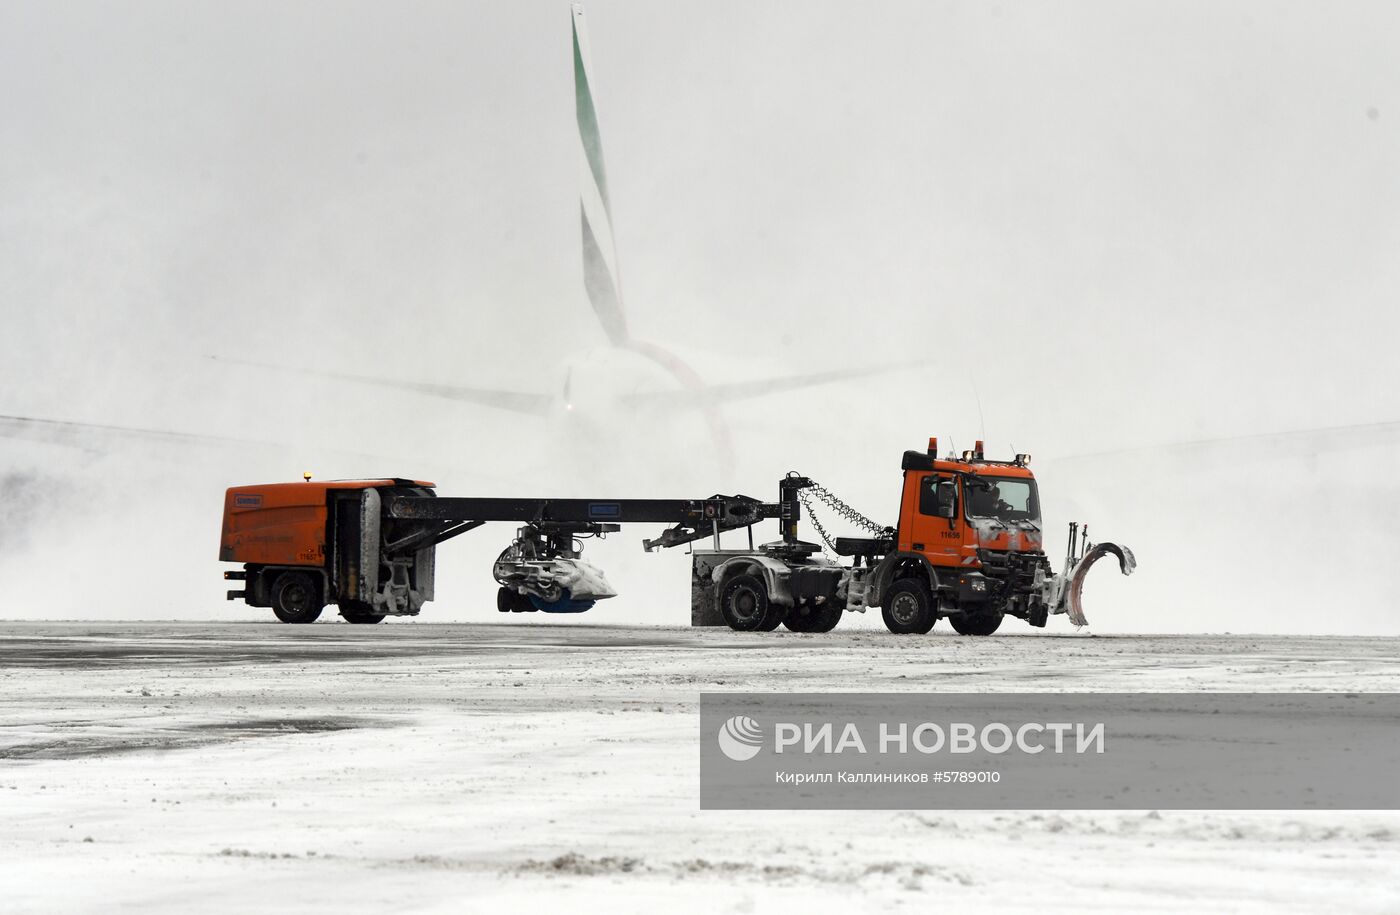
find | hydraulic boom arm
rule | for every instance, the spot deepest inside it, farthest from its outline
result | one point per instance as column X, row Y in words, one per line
column 691, row 519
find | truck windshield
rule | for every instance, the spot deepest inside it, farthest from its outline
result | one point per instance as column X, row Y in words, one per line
column 1008, row 499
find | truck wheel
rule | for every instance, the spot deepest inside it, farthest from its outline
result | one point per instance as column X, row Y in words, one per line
column 295, row 598
column 908, row 607
column 744, row 603
column 827, row 616
column 984, row 622
column 510, row 601
column 802, row 618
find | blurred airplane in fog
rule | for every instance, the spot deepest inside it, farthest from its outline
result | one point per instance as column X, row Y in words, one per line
column 598, row 395
column 601, row 393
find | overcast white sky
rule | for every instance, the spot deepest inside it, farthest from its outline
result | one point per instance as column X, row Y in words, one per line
column 1118, row 223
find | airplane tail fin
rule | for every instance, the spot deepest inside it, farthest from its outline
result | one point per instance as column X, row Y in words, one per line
column 602, row 276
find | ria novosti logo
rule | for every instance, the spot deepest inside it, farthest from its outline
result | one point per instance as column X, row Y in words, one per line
column 740, row 738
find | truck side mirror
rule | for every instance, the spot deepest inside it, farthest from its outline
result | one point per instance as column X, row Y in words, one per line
column 946, row 499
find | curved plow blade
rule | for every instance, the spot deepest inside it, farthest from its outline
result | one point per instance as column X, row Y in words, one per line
column 1073, row 598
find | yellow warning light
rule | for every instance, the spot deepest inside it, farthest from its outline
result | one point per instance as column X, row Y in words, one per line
column 306, row 476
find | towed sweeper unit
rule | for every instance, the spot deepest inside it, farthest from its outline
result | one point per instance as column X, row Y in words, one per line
column 967, row 546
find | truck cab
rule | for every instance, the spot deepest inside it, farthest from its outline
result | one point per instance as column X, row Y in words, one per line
column 968, row 545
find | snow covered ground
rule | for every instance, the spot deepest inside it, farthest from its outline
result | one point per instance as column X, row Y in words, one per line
column 422, row 767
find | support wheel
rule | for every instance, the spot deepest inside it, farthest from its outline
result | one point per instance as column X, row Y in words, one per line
column 1039, row 615
column 829, row 614
column 802, row 618
column 744, row 603
column 296, row 598
column 510, row 601
column 908, row 607
column 360, row 615
column 984, row 622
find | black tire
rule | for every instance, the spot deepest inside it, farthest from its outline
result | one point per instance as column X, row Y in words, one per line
column 802, row 618
column 828, row 615
column 774, row 617
column 360, row 615
column 1039, row 615
column 509, row 601
column 984, row 622
column 744, row 603
column 296, row 598
column 908, row 607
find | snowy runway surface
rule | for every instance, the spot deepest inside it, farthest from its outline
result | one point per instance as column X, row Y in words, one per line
column 421, row 767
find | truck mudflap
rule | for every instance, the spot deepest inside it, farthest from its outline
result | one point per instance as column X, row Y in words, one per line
column 1065, row 593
